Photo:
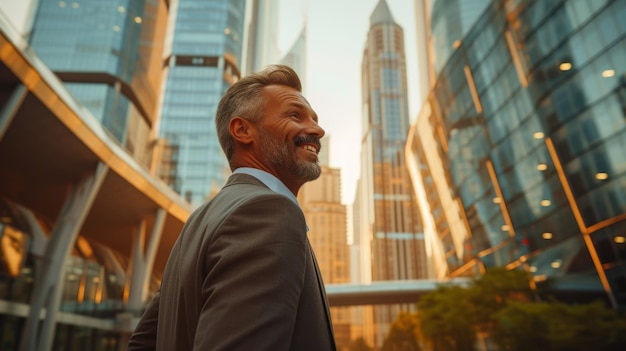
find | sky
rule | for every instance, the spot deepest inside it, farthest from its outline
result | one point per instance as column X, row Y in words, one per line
column 15, row 10
column 337, row 31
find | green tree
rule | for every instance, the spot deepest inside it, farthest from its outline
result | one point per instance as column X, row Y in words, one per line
column 585, row 327
column 492, row 292
column 499, row 305
column 446, row 317
column 521, row 326
column 499, row 285
column 559, row 327
column 452, row 316
column 403, row 334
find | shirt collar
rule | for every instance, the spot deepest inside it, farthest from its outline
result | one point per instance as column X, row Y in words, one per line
column 269, row 180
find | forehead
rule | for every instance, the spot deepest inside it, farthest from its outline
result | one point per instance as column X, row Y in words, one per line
column 285, row 96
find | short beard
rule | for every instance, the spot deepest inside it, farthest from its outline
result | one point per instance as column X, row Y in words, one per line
column 278, row 155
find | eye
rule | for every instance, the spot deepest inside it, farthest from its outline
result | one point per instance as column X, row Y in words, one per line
column 295, row 115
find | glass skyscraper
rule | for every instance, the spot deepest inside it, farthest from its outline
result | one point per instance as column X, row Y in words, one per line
column 109, row 54
column 392, row 242
column 205, row 61
column 527, row 117
column 262, row 34
column 296, row 57
column 388, row 207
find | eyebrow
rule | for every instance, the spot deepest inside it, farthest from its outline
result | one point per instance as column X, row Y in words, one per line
column 302, row 106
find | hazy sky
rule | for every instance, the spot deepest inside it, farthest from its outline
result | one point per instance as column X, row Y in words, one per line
column 15, row 10
column 337, row 31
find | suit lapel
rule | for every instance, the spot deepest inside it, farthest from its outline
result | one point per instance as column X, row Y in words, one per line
column 320, row 284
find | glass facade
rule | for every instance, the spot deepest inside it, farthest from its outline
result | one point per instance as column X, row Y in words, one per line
column 109, row 54
column 205, row 61
column 94, row 284
column 450, row 21
column 296, row 58
column 262, row 33
column 530, row 109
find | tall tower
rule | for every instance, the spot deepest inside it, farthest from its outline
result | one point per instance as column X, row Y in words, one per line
column 389, row 218
column 205, row 62
column 109, row 55
column 296, row 57
column 262, row 32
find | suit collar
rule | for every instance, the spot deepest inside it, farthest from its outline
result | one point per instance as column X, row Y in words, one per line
column 269, row 181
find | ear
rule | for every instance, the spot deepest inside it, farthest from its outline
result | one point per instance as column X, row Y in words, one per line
column 241, row 130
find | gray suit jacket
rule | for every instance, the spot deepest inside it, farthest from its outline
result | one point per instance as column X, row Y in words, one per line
column 241, row 276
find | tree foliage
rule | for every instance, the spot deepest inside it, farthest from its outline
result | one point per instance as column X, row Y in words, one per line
column 559, row 327
column 445, row 316
column 402, row 335
column 499, row 305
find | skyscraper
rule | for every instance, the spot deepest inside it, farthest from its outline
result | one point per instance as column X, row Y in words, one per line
column 526, row 117
column 109, row 54
column 389, row 218
column 262, row 33
column 296, row 57
column 205, row 61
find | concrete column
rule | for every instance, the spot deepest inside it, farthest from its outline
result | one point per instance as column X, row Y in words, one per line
column 39, row 238
column 142, row 261
column 10, row 109
column 50, row 280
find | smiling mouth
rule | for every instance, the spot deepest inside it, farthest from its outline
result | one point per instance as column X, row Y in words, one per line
column 310, row 148
column 309, row 143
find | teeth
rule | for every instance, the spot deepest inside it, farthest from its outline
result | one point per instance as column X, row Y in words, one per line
column 310, row 148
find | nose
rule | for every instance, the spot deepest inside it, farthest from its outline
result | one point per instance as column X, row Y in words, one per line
column 313, row 128
column 320, row 132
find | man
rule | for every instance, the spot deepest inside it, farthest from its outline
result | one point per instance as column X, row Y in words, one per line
column 242, row 275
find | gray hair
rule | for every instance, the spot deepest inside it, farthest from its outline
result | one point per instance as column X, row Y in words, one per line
column 245, row 99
